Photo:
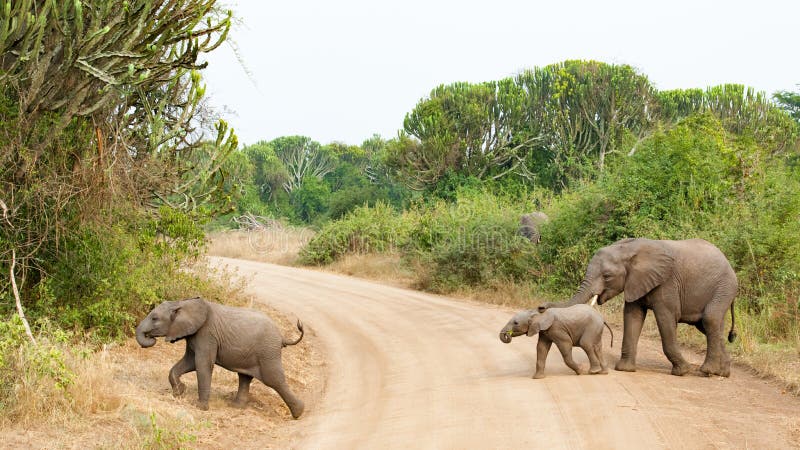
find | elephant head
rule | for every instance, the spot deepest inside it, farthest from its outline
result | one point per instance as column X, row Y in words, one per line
column 174, row 320
column 632, row 266
column 528, row 322
column 529, row 226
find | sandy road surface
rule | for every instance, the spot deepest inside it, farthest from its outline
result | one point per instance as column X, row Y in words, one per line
column 411, row 370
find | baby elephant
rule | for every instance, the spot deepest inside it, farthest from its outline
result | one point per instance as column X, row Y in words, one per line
column 241, row 340
column 575, row 326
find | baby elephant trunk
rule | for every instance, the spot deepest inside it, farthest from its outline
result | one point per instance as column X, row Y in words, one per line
column 505, row 336
column 143, row 338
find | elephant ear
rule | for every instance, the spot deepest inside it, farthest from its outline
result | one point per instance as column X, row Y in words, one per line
column 187, row 317
column 651, row 264
column 540, row 322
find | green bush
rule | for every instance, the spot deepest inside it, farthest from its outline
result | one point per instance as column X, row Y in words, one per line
column 28, row 367
column 471, row 242
column 364, row 230
column 106, row 276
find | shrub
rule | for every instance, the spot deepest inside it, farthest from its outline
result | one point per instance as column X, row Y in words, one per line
column 366, row 229
column 471, row 242
column 108, row 275
column 31, row 373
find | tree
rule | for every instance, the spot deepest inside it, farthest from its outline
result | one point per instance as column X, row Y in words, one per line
column 269, row 173
column 558, row 122
column 302, row 158
column 463, row 127
column 310, row 199
column 790, row 102
column 583, row 110
column 101, row 108
column 741, row 110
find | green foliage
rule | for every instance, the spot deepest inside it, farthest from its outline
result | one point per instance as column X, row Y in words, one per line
column 790, row 102
column 548, row 126
column 364, row 230
column 741, row 110
column 310, row 200
column 107, row 276
column 338, row 179
column 161, row 437
column 470, row 242
column 25, row 365
column 99, row 117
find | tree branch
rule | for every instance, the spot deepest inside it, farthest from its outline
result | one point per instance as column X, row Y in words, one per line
column 16, row 296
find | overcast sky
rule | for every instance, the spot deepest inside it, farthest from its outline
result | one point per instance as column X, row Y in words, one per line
column 344, row 70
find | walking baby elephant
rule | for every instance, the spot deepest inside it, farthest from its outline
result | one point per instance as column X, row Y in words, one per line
column 576, row 326
column 238, row 339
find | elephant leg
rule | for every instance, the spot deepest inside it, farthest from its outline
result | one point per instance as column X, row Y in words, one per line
column 542, row 348
column 204, row 365
column 633, row 319
column 272, row 375
column 566, row 352
column 667, row 328
column 599, row 350
column 184, row 365
column 244, row 391
column 717, row 361
column 596, row 365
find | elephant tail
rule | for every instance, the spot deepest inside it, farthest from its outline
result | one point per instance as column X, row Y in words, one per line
column 612, row 333
column 299, row 327
column 732, row 333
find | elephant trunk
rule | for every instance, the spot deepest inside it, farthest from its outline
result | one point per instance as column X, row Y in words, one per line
column 584, row 295
column 142, row 338
column 505, row 337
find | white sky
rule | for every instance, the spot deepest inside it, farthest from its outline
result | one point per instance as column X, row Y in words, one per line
column 345, row 69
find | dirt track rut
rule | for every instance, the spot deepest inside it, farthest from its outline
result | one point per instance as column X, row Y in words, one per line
column 408, row 369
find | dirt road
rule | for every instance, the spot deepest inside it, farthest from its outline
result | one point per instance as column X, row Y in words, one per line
column 411, row 370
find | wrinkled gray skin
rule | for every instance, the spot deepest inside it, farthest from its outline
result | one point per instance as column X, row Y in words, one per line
column 687, row 281
column 529, row 226
column 576, row 326
column 241, row 340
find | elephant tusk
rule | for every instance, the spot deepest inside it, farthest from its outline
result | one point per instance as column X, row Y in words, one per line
column 594, row 301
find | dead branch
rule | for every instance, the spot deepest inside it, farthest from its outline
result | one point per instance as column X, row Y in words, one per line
column 16, row 296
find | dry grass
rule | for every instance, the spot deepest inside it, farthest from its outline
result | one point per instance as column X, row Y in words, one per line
column 120, row 398
column 278, row 245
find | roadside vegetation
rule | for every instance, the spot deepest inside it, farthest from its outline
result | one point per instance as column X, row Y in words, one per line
column 110, row 166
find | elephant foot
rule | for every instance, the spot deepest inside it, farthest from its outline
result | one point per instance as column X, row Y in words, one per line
column 680, row 369
column 298, row 409
column 238, row 403
column 598, row 371
column 202, row 405
column 712, row 369
column 538, row 375
column 625, row 365
column 179, row 389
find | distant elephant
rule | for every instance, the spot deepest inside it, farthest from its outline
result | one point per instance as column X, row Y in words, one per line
column 241, row 340
column 576, row 326
column 529, row 226
column 687, row 281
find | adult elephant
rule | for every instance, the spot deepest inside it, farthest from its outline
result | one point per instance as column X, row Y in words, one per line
column 687, row 281
column 529, row 225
